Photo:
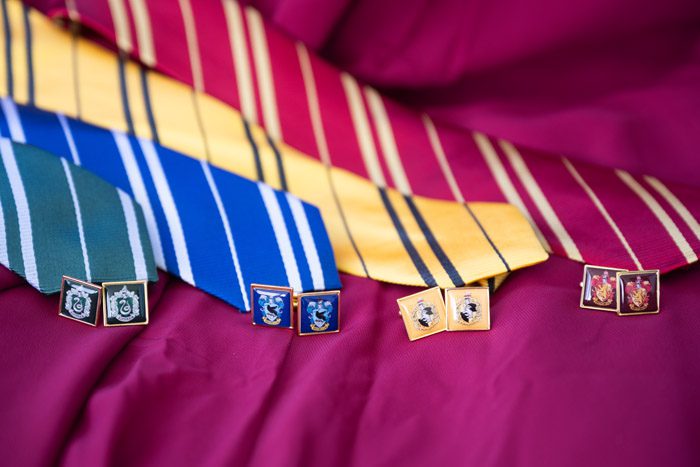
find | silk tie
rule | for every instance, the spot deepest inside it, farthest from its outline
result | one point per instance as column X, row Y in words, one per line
column 215, row 230
column 57, row 219
column 580, row 211
column 376, row 230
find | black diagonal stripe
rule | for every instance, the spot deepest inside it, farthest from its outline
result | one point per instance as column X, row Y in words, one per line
column 491, row 281
column 125, row 94
column 488, row 238
column 30, row 60
column 434, row 244
column 8, row 50
column 423, row 270
column 254, row 147
column 74, row 32
column 280, row 164
column 147, row 103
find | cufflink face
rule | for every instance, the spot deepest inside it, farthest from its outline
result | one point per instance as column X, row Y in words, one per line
column 271, row 306
column 423, row 313
column 125, row 303
column 639, row 292
column 468, row 309
column 79, row 300
column 600, row 290
column 318, row 313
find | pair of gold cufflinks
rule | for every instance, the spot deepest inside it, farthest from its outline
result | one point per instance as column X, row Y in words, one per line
column 317, row 312
column 123, row 303
column 625, row 292
column 460, row 309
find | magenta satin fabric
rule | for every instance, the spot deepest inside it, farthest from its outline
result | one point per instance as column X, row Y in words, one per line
column 550, row 384
column 611, row 82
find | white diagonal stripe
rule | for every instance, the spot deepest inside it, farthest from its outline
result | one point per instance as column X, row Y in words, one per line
column 282, row 236
column 171, row 215
column 13, row 121
column 675, row 203
column 362, row 130
column 439, row 152
column 604, row 212
column 241, row 65
column 307, row 241
column 132, row 228
column 4, row 256
column 387, row 141
column 660, row 214
column 540, row 200
column 501, row 176
column 227, row 231
column 261, row 57
column 23, row 213
column 140, row 194
column 121, row 25
column 144, row 35
column 69, row 139
column 78, row 218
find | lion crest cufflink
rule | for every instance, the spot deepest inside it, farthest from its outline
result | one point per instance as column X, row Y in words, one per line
column 624, row 292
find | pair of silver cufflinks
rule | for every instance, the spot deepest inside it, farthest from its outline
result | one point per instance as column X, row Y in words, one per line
column 625, row 292
column 316, row 312
column 123, row 303
column 460, row 309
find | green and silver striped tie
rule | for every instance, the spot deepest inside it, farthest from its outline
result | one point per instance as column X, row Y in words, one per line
column 58, row 219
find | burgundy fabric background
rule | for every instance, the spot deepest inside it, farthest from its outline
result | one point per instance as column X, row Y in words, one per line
column 610, row 82
column 615, row 82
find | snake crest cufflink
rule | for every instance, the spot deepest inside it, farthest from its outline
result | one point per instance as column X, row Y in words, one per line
column 79, row 301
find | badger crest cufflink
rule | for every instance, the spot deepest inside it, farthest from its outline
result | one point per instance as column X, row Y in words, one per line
column 639, row 293
column 318, row 313
column 599, row 289
column 272, row 306
column 79, row 301
column 423, row 313
column 125, row 303
column 468, row 309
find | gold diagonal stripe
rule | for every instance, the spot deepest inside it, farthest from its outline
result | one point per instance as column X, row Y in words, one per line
column 660, row 214
column 603, row 211
column 540, row 200
column 675, row 203
column 144, row 35
column 241, row 65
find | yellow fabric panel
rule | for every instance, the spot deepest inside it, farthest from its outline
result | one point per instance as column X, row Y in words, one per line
column 19, row 51
column 203, row 127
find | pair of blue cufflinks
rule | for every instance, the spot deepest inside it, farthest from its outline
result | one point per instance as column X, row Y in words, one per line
column 316, row 312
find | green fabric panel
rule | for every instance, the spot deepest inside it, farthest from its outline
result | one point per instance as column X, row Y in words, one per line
column 44, row 180
column 14, row 249
column 107, row 241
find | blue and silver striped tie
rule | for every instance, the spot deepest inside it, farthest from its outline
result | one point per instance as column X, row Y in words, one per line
column 215, row 230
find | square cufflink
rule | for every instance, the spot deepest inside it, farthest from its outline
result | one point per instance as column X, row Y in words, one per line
column 125, row 303
column 272, row 306
column 639, row 293
column 423, row 313
column 599, row 289
column 80, row 300
column 468, row 309
column 318, row 313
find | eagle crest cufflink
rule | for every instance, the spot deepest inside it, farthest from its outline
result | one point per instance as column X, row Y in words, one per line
column 599, row 288
column 423, row 313
column 639, row 293
column 125, row 303
column 468, row 309
column 318, row 313
column 272, row 306
column 80, row 300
